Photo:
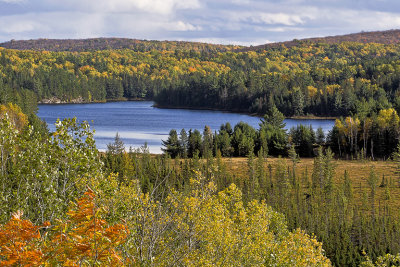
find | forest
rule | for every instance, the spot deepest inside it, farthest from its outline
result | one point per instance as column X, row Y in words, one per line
column 354, row 211
column 238, row 196
column 317, row 79
column 65, row 203
column 353, row 137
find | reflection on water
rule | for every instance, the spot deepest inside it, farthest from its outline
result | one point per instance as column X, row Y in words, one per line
column 139, row 122
column 132, row 139
column 131, row 135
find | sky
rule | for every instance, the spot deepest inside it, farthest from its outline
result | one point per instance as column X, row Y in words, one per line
column 240, row 22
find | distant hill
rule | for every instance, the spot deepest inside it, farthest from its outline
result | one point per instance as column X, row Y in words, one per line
column 93, row 44
column 382, row 37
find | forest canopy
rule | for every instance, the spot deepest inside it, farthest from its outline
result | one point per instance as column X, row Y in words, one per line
column 58, row 207
column 310, row 78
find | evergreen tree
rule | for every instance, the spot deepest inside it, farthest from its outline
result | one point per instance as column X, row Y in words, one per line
column 172, row 144
column 115, row 156
column 184, row 143
column 208, row 141
column 195, row 143
column 275, row 134
column 117, row 147
column 320, row 136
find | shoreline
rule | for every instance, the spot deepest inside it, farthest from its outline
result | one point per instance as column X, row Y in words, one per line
column 205, row 108
column 303, row 117
column 55, row 101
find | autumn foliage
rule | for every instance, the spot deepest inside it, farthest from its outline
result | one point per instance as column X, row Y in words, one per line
column 17, row 118
column 85, row 238
column 20, row 243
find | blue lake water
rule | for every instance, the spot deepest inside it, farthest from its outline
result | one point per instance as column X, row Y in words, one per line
column 138, row 122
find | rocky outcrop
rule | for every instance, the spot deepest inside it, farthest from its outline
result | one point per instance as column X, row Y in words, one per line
column 56, row 100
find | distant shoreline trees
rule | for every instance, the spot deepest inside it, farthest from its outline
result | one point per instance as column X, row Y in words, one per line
column 309, row 78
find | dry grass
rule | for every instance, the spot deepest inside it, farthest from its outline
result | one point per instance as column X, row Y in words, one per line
column 358, row 171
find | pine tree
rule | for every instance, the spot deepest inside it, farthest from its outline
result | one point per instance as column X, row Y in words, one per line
column 320, row 136
column 172, row 145
column 184, row 143
column 117, row 147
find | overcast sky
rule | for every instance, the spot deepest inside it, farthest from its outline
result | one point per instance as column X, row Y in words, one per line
column 245, row 22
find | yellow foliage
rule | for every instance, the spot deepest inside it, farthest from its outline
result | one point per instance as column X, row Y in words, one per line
column 348, row 126
column 90, row 71
column 192, row 69
column 312, row 91
column 330, row 89
column 387, row 117
column 68, row 65
column 15, row 115
column 208, row 229
column 86, row 237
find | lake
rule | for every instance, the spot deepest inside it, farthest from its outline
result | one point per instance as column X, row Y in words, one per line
column 138, row 122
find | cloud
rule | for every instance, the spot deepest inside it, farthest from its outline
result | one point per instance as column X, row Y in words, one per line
column 163, row 7
column 18, row 27
column 259, row 41
column 241, row 2
column 271, row 18
column 181, row 26
column 245, row 22
column 276, row 29
column 12, row 1
column 76, row 25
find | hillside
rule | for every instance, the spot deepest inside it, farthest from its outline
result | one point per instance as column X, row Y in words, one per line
column 380, row 37
column 94, row 44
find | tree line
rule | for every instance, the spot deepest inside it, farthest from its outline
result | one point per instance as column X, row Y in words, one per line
column 239, row 141
column 309, row 78
column 361, row 136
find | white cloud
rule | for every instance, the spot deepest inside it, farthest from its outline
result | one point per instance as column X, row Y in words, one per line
column 245, row 22
column 18, row 27
column 162, row 7
column 276, row 29
column 278, row 18
column 75, row 25
column 241, row 2
column 180, row 26
column 382, row 20
column 286, row 19
column 216, row 40
column 12, row 1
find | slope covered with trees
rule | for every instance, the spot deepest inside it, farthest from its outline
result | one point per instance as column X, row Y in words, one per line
column 95, row 44
column 352, row 210
column 380, row 37
column 159, row 211
column 162, row 211
column 60, row 205
column 319, row 79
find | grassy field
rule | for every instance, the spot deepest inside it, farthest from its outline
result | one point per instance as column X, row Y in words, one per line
column 358, row 172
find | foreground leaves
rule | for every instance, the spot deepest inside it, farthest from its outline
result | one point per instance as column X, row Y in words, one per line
column 199, row 228
column 205, row 228
column 20, row 243
column 84, row 239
